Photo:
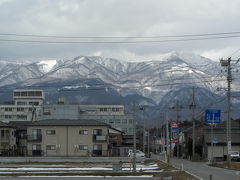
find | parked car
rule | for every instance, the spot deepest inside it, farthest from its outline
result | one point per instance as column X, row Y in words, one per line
column 138, row 153
column 235, row 155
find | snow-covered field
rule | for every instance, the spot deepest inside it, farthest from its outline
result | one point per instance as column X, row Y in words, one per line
column 60, row 169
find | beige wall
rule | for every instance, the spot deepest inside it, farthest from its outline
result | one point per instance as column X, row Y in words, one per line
column 220, row 151
column 67, row 140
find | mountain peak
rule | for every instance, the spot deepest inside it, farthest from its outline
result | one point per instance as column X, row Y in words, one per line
column 46, row 65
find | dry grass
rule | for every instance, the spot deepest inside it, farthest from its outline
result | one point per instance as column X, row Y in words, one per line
column 234, row 165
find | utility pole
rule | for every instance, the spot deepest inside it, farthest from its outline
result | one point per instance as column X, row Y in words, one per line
column 142, row 108
column 227, row 63
column 193, row 123
column 178, row 129
column 134, row 138
column 167, row 138
column 148, row 143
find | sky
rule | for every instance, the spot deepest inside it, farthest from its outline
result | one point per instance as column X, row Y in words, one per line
column 116, row 18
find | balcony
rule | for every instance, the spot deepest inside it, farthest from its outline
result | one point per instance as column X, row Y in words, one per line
column 34, row 138
column 99, row 153
column 35, row 153
column 99, row 138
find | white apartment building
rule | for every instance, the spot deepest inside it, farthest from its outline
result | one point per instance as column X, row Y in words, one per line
column 26, row 107
column 113, row 115
column 29, row 106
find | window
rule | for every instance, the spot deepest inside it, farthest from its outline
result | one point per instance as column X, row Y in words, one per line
column 21, row 117
column 46, row 111
column 104, row 109
column 36, row 147
column 97, row 147
column 34, row 103
column 20, row 109
column 21, row 103
column 16, row 93
column 50, row 132
column 51, row 147
column 113, row 109
column 130, row 130
column 31, row 93
column 84, row 132
column 36, row 133
column 130, row 121
column 124, row 121
column 111, row 121
column 8, row 116
column 124, row 130
column 83, row 147
column 38, row 93
column 117, row 109
column 118, row 121
column 101, row 109
column 23, row 93
column 97, row 131
column 2, row 133
column 8, row 109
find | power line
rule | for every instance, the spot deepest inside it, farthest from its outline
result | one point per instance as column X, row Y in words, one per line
column 121, row 37
column 119, row 42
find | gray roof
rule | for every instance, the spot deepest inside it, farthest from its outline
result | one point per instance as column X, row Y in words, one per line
column 19, row 125
column 67, row 122
column 2, row 124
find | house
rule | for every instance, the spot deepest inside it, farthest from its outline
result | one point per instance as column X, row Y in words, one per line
column 21, row 136
column 116, row 141
column 219, row 134
column 7, row 139
column 67, row 138
column 203, row 149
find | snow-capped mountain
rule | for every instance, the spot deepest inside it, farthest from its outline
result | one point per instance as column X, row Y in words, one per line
column 157, row 82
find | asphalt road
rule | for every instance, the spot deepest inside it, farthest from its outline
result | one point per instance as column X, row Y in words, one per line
column 202, row 170
column 79, row 178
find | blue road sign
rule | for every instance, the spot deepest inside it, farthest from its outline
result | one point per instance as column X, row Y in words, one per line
column 174, row 129
column 215, row 140
column 212, row 116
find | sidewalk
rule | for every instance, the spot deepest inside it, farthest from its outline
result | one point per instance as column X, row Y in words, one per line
column 201, row 169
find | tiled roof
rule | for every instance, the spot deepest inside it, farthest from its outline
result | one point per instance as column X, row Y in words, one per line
column 67, row 122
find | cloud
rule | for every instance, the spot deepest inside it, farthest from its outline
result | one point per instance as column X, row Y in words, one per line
column 116, row 18
column 216, row 54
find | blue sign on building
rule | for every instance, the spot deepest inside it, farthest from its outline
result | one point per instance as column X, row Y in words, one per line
column 212, row 116
column 174, row 129
column 215, row 140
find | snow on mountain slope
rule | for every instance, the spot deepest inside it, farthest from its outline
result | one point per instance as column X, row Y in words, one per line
column 46, row 65
column 152, row 79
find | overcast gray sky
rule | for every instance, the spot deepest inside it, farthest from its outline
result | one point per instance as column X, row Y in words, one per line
column 116, row 18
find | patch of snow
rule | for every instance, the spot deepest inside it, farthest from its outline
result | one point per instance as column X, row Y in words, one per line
column 47, row 65
column 143, row 176
column 148, row 88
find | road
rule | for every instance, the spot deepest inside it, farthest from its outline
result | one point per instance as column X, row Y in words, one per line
column 202, row 170
column 79, row 178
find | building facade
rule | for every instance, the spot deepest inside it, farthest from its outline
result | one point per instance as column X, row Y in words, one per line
column 110, row 114
column 7, row 139
column 67, row 138
column 27, row 106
